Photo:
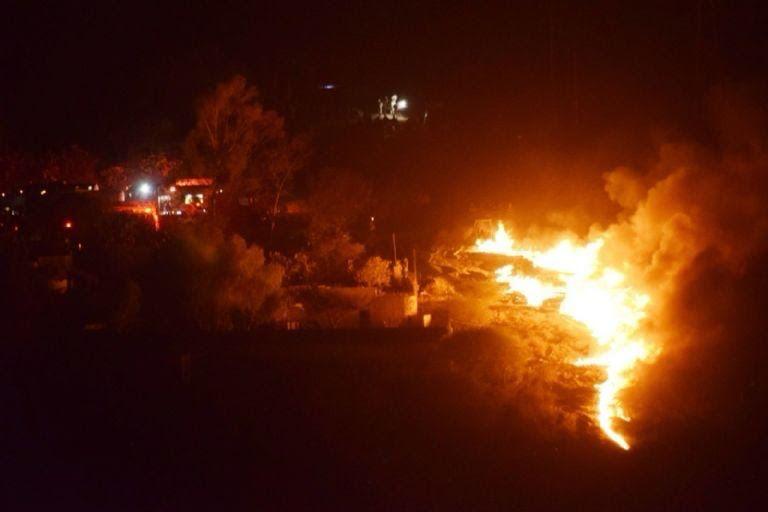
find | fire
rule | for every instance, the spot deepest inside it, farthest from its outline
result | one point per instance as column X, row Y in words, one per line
column 595, row 295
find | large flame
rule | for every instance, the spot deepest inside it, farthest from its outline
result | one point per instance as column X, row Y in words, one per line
column 593, row 294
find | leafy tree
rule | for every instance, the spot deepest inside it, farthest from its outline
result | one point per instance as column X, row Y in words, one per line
column 72, row 165
column 375, row 272
column 278, row 168
column 249, row 294
column 158, row 166
column 15, row 168
column 334, row 254
column 337, row 198
column 115, row 177
column 154, row 166
column 205, row 279
column 243, row 145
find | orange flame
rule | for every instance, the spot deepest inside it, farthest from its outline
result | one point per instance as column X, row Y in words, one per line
column 593, row 294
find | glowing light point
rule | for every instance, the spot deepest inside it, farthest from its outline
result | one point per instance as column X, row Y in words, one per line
column 145, row 189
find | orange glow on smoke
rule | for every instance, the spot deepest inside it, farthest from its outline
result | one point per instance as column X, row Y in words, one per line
column 593, row 294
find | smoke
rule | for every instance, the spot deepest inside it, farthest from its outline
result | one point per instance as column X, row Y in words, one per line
column 693, row 234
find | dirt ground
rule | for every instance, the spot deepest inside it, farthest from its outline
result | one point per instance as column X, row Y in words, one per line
column 360, row 420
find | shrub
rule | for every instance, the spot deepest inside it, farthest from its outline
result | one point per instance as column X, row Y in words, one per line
column 374, row 272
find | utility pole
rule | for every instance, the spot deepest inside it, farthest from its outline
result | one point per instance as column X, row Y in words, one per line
column 394, row 248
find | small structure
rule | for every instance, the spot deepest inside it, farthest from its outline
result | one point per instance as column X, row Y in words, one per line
column 392, row 309
column 186, row 197
column 392, row 108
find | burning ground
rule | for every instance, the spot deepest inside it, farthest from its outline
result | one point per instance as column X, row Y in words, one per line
column 667, row 295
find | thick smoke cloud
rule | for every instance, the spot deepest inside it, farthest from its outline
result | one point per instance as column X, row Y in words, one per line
column 692, row 233
column 696, row 240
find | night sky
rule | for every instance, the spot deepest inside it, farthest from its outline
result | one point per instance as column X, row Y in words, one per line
column 106, row 74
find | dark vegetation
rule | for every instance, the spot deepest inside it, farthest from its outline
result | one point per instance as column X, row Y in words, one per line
column 284, row 216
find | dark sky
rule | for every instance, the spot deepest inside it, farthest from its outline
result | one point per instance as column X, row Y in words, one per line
column 105, row 73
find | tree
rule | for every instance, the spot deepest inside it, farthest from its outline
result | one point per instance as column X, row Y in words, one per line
column 337, row 198
column 15, row 168
column 334, row 254
column 244, row 146
column 115, row 177
column 278, row 170
column 375, row 272
column 157, row 166
column 72, row 165
column 250, row 292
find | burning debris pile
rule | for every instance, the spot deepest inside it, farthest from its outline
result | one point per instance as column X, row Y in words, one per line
column 661, row 294
column 567, row 288
column 594, row 295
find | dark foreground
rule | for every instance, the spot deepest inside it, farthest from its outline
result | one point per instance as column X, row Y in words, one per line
column 326, row 421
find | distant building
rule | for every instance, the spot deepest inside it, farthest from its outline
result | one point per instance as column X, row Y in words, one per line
column 187, row 197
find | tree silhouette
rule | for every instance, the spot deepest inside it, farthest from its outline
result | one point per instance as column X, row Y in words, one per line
column 72, row 165
column 244, row 146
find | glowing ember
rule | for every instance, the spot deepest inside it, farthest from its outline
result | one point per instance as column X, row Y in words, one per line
column 593, row 294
